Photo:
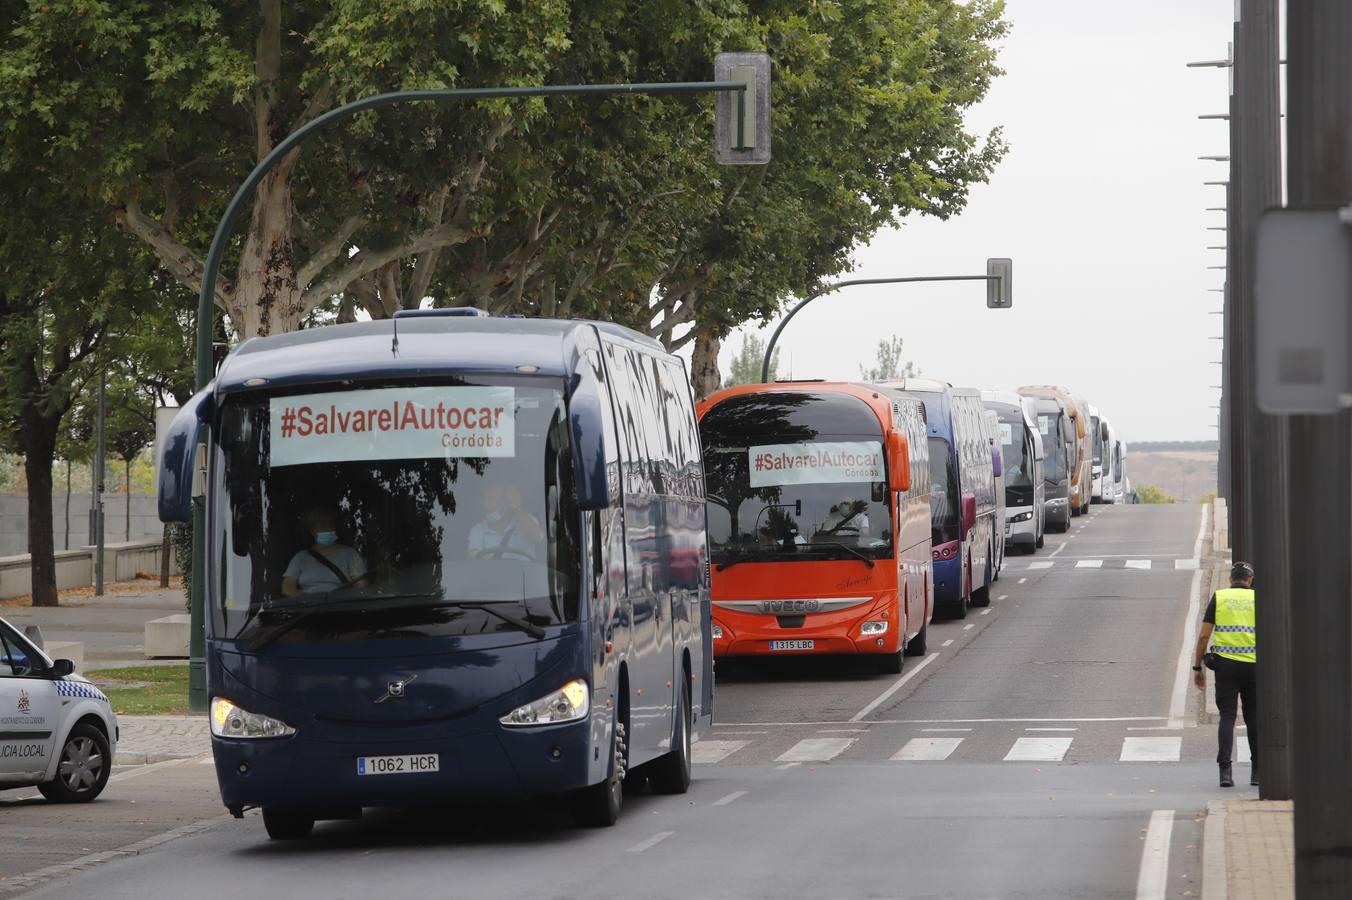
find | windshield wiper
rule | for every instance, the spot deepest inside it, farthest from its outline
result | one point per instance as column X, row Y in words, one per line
column 309, row 609
column 848, row 549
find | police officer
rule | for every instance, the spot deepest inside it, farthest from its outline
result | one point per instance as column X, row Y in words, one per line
column 1234, row 658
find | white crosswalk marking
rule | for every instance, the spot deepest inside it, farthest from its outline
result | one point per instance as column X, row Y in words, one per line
column 1151, row 749
column 927, row 749
column 1185, row 564
column 1041, row 564
column 1039, row 749
column 710, row 752
column 816, row 750
column 1089, row 564
column 1138, row 564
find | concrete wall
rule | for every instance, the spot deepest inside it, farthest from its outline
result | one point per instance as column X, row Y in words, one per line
column 145, row 522
column 75, row 568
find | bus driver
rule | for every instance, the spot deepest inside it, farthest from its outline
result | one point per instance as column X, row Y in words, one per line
column 325, row 565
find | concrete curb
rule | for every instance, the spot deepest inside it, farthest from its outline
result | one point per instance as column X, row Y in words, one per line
column 147, row 759
column 1215, row 870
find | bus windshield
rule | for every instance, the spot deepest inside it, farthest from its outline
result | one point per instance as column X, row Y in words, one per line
column 1015, row 448
column 1054, row 463
column 795, row 477
column 945, row 501
column 407, row 511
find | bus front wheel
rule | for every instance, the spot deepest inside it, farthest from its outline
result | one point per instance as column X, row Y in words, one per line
column 671, row 773
column 598, row 806
column 286, row 824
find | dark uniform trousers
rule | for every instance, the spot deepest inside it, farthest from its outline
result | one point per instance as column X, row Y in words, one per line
column 1235, row 682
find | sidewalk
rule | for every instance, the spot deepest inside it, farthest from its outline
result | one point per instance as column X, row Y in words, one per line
column 152, row 739
column 1249, row 851
column 111, row 627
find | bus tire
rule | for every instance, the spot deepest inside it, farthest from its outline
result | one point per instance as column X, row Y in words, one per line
column 670, row 774
column 982, row 595
column 918, row 644
column 964, row 594
column 287, row 824
column 599, row 805
column 1040, row 542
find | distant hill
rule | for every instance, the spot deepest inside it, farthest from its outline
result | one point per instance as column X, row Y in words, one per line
column 1157, row 446
column 1186, row 470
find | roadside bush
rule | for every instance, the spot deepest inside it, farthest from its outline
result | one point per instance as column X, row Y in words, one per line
column 1151, row 494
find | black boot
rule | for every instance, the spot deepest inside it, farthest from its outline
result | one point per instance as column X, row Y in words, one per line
column 1227, row 777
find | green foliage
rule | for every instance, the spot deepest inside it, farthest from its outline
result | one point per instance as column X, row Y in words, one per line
column 1208, row 498
column 888, row 364
column 1151, row 494
column 607, row 207
column 746, row 364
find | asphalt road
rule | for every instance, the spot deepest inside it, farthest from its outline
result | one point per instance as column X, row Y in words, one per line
column 1040, row 750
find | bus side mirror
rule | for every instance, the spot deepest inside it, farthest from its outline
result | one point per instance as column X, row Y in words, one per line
column 898, row 462
column 587, row 423
column 968, row 512
column 178, row 457
column 997, row 461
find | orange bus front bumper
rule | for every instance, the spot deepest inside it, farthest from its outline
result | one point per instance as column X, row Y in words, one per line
column 847, row 631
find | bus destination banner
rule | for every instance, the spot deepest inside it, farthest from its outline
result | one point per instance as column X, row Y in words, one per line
column 393, row 423
column 823, row 463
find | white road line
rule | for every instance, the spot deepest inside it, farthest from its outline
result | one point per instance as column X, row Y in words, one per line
column 842, row 731
column 792, row 765
column 968, row 627
column 1178, row 703
column 707, row 753
column 1041, row 564
column 1002, row 597
column 815, row 750
column 946, row 643
column 987, row 610
column 1089, row 564
column 882, row 698
column 945, row 729
column 740, row 732
column 1053, row 553
column 1153, row 727
column 1014, row 721
column 1185, row 565
column 1029, row 749
column 1138, row 564
column 1022, row 580
column 1051, row 729
column 1153, row 881
column 1151, row 749
column 931, row 749
column 651, row 842
column 724, row 801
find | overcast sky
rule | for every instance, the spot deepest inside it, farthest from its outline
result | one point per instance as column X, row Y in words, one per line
column 1100, row 203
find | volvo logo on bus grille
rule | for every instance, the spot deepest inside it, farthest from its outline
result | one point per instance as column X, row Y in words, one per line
column 395, row 689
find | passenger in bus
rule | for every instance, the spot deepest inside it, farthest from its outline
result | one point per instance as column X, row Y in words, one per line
column 846, row 519
column 325, row 565
column 506, row 531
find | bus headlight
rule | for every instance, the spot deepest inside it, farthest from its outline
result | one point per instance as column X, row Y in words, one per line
column 567, row 704
column 229, row 721
column 873, row 628
column 1021, row 517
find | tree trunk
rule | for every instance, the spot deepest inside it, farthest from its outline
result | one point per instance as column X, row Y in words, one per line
column 267, row 299
column 39, row 455
column 704, row 375
column 127, row 529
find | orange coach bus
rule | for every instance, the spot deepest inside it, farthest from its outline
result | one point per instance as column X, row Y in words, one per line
column 819, row 521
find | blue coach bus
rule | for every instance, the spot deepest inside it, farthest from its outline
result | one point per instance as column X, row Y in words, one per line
column 962, row 494
column 448, row 555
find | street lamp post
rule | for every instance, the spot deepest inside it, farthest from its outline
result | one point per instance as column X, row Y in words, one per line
column 999, row 272
column 746, row 125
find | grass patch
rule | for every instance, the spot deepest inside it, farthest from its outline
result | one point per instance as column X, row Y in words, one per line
column 144, row 690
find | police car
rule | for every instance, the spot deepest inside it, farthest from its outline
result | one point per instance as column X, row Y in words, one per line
column 57, row 731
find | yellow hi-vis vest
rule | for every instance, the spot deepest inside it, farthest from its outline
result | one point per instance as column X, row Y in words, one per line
column 1234, row 635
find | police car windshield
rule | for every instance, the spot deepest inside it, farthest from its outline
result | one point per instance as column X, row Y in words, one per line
column 459, row 491
column 795, row 477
